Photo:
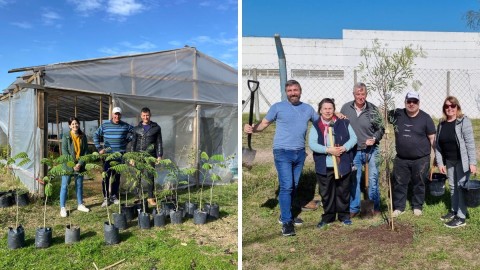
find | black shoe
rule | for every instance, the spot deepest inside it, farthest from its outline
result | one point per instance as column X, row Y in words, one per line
column 288, row 229
column 456, row 222
column 296, row 221
column 322, row 224
column 448, row 216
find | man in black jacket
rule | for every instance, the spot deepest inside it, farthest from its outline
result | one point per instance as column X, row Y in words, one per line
column 145, row 134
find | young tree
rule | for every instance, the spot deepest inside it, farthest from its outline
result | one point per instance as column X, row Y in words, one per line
column 388, row 73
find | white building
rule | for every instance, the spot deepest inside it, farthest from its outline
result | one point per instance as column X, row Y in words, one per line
column 325, row 67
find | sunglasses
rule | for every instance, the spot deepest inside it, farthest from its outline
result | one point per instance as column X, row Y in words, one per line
column 410, row 101
column 451, row 106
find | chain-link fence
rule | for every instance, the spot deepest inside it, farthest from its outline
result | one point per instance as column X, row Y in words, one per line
column 337, row 82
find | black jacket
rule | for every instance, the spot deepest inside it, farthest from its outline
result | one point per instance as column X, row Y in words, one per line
column 141, row 139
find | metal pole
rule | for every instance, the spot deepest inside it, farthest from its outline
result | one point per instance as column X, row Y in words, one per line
column 448, row 83
column 282, row 66
column 257, row 105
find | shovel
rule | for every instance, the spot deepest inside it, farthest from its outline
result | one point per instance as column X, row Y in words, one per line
column 366, row 205
column 248, row 154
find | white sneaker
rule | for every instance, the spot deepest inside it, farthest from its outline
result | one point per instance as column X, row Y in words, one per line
column 397, row 213
column 63, row 212
column 417, row 212
column 105, row 202
column 116, row 201
column 82, row 208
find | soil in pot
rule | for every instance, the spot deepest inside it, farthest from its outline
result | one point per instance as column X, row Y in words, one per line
column 130, row 212
column 43, row 237
column 213, row 210
column 72, row 234
column 112, row 236
column 144, row 220
column 159, row 219
column 199, row 217
column 190, row 209
column 120, row 221
column 176, row 217
column 16, row 237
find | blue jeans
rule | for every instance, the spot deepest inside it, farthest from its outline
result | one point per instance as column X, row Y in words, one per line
column 373, row 189
column 289, row 164
column 457, row 178
column 78, row 188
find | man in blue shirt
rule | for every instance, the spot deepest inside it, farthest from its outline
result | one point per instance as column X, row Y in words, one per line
column 116, row 134
column 291, row 117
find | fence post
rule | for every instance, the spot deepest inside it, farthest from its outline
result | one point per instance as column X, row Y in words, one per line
column 354, row 76
column 257, row 104
column 448, row 83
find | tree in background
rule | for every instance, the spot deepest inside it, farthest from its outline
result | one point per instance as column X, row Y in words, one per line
column 388, row 73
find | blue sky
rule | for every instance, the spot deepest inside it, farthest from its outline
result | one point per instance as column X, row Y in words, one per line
column 44, row 32
column 326, row 19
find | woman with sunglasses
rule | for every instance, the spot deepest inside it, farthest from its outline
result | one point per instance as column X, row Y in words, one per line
column 329, row 148
column 455, row 156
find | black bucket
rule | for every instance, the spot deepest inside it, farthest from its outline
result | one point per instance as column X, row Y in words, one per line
column 159, row 219
column 437, row 184
column 144, row 220
column 16, row 237
column 43, row 237
column 176, row 217
column 130, row 212
column 190, row 209
column 111, row 234
column 72, row 235
column 472, row 190
column 213, row 210
column 199, row 217
column 120, row 220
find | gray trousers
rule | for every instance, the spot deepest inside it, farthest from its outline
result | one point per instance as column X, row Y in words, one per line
column 456, row 179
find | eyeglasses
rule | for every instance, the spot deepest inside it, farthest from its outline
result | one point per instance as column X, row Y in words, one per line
column 414, row 101
column 451, row 106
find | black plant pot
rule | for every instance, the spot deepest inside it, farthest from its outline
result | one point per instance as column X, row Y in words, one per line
column 6, row 200
column 213, row 210
column 139, row 205
column 16, row 237
column 199, row 217
column 168, row 206
column 130, row 212
column 176, row 217
column 120, row 221
column 43, row 237
column 190, row 209
column 159, row 219
column 111, row 234
column 144, row 220
column 72, row 234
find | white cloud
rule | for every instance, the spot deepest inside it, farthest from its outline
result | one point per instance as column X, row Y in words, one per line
column 87, row 6
column 23, row 25
column 220, row 5
column 124, row 7
column 145, row 46
column 127, row 47
column 209, row 40
column 50, row 17
column 175, row 43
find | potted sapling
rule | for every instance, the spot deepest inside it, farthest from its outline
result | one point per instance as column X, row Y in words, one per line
column 16, row 235
column 159, row 214
column 210, row 164
column 174, row 177
column 190, row 206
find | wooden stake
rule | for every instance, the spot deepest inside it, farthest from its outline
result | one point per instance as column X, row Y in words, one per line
column 112, row 265
column 334, row 158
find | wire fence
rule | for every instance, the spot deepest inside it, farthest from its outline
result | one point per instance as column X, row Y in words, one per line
column 337, row 82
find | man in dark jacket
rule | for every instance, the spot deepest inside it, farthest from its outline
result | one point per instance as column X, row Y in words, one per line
column 145, row 134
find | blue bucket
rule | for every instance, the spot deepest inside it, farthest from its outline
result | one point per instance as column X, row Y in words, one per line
column 472, row 190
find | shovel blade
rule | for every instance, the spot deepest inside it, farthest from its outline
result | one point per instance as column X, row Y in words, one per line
column 366, row 208
column 248, row 155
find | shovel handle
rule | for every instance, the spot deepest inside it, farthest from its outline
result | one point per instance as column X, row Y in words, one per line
column 366, row 170
column 252, row 103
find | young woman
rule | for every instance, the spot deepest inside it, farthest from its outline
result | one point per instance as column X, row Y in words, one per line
column 74, row 144
column 455, row 156
column 335, row 192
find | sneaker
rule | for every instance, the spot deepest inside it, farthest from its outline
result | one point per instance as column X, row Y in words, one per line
column 311, row 206
column 347, row 222
column 288, row 229
column 448, row 216
column 114, row 200
column 82, row 208
column 296, row 221
column 63, row 212
column 417, row 212
column 456, row 222
column 397, row 213
column 105, row 202
column 322, row 224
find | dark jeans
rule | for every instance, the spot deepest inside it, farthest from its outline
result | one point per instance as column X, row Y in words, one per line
column 335, row 196
column 106, row 181
column 404, row 171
